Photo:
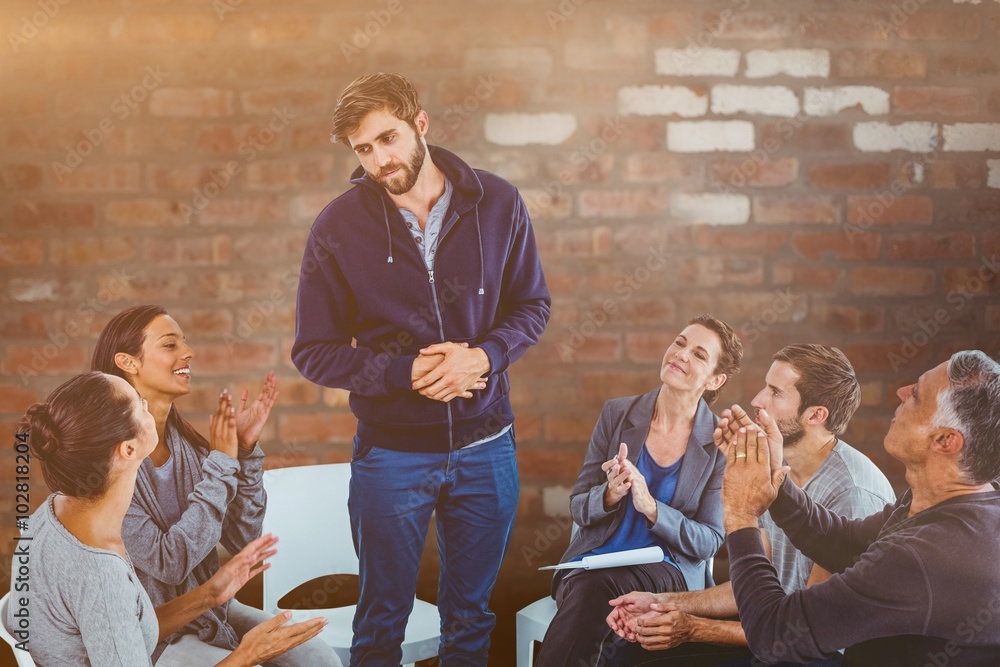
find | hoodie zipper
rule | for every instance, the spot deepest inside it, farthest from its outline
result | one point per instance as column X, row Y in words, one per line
column 437, row 311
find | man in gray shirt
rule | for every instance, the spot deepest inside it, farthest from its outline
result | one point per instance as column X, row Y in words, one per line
column 811, row 392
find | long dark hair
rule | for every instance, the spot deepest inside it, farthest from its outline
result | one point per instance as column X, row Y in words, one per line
column 75, row 431
column 126, row 333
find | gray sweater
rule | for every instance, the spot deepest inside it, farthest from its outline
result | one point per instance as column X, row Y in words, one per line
column 85, row 606
column 221, row 500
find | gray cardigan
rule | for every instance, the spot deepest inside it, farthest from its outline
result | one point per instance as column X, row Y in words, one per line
column 691, row 524
column 221, row 500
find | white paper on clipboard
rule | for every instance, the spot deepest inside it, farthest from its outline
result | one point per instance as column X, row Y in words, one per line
column 616, row 559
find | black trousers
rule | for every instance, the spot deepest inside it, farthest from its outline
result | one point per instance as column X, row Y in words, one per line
column 579, row 635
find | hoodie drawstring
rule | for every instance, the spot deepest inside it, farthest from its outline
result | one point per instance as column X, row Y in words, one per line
column 388, row 231
column 482, row 263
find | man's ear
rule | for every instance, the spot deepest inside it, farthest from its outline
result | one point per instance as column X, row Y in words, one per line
column 817, row 415
column 126, row 362
column 422, row 121
column 947, row 441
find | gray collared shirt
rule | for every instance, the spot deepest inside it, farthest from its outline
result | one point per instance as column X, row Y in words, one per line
column 427, row 239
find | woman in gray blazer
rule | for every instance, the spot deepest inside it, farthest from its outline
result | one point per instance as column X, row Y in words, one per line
column 652, row 477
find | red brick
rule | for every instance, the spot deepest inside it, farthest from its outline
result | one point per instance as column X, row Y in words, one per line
column 311, row 137
column 974, row 280
column 673, row 24
column 459, row 98
column 990, row 243
column 203, row 323
column 284, row 246
column 807, row 276
column 843, row 27
column 892, row 281
column 935, row 100
column 660, row 168
column 192, row 251
column 748, row 24
column 287, row 173
column 19, row 104
column 848, row 319
column 227, row 359
column 226, row 212
column 621, row 203
column 794, row 134
column 144, row 287
column 153, row 137
column 647, row 347
column 92, row 251
column 567, row 428
column 145, row 213
column 21, row 252
column 269, row 28
column 15, row 400
column 993, row 102
column 712, row 271
column 338, row 427
column 234, row 286
column 925, row 245
column 797, row 210
column 880, row 64
column 34, row 215
column 23, row 325
column 552, row 465
column 743, row 239
column 43, row 359
column 956, row 174
column 228, row 139
column 17, row 177
column 599, row 387
column 837, row 245
column 587, row 242
column 873, row 357
column 115, row 177
column 941, row 26
column 993, row 318
column 851, row 176
column 753, row 172
column 889, row 210
column 187, row 178
column 191, row 102
column 45, row 139
column 933, row 316
column 981, row 209
column 751, row 308
column 169, row 28
column 266, row 101
column 960, row 66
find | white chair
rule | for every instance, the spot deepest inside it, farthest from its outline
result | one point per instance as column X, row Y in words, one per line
column 307, row 511
column 23, row 658
column 532, row 622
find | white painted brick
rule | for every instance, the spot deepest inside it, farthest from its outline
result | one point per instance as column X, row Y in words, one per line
column 695, row 61
column 801, row 63
column 710, row 135
column 522, row 129
column 765, row 100
column 994, row 166
column 830, row 101
column 662, row 101
column 875, row 137
column 713, row 209
column 530, row 58
column 971, row 2
column 972, row 137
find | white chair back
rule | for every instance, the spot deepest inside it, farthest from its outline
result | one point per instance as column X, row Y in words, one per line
column 307, row 511
column 23, row 658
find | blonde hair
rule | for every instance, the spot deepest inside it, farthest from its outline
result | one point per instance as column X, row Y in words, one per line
column 374, row 92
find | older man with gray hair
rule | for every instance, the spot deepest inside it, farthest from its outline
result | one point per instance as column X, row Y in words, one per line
column 916, row 584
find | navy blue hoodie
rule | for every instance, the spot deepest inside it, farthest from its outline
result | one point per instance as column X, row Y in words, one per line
column 363, row 277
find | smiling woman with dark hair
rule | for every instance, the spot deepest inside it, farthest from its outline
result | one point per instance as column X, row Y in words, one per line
column 192, row 493
column 85, row 603
column 652, row 477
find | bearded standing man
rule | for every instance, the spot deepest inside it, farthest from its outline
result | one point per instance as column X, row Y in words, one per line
column 431, row 267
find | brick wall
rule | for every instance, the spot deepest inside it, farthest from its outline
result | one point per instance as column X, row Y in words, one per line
column 808, row 171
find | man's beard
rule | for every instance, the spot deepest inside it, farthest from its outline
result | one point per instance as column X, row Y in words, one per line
column 791, row 430
column 402, row 182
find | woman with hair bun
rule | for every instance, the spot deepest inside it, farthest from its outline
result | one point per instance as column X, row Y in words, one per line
column 84, row 601
column 192, row 493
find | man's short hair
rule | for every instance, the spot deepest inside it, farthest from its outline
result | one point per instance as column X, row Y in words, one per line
column 826, row 378
column 971, row 406
column 373, row 92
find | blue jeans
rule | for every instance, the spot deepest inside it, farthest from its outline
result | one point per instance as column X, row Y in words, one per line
column 474, row 494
